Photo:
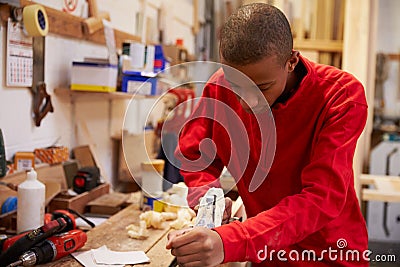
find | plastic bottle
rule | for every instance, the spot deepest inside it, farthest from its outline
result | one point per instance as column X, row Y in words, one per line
column 31, row 201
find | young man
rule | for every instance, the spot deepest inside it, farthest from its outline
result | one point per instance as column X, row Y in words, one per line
column 301, row 204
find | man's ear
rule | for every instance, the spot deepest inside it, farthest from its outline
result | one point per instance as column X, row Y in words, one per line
column 293, row 60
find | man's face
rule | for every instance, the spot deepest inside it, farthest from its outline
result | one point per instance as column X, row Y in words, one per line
column 265, row 79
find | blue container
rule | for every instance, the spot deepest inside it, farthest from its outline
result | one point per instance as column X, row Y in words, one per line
column 159, row 59
column 135, row 83
column 9, row 205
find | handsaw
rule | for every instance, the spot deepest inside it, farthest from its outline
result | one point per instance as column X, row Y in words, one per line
column 41, row 99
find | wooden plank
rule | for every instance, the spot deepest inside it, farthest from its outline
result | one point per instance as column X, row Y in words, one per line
column 111, row 200
column 159, row 255
column 370, row 178
column 300, row 33
column 64, row 24
column 387, row 188
column 324, row 26
column 394, row 57
column 93, row 148
column 45, row 173
column 359, row 42
column 92, row 96
column 196, row 23
column 108, row 204
column 370, row 194
column 319, row 45
column 338, row 29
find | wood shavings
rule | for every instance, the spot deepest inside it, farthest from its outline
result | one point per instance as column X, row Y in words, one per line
column 168, row 216
column 157, row 220
column 136, row 232
column 185, row 216
column 152, row 219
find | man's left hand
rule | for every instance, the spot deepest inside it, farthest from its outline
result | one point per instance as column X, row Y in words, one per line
column 198, row 247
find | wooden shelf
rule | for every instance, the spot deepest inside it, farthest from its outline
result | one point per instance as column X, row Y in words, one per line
column 88, row 95
column 386, row 188
column 68, row 25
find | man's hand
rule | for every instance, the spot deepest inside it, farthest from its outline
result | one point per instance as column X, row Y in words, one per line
column 197, row 246
column 227, row 211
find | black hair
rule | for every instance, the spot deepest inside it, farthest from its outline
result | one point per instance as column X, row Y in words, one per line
column 253, row 32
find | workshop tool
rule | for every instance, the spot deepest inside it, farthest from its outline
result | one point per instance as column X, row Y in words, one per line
column 53, row 248
column 3, row 161
column 35, row 21
column 386, row 204
column 68, row 216
column 14, row 247
column 86, row 220
column 86, row 179
column 211, row 209
column 36, row 24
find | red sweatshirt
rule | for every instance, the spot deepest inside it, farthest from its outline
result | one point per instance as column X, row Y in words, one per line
column 305, row 213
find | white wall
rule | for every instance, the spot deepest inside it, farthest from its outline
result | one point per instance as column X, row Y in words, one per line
column 102, row 117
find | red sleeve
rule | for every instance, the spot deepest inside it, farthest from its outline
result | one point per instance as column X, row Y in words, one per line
column 199, row 169
column 325, row 183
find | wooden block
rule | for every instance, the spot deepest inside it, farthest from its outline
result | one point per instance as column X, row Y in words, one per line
column 84, row 156
column 108, row 204
column 70, row 170
column 79, row 202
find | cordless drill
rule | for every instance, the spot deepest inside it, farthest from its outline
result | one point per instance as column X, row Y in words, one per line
column 66, row 216
column 53, row 248
column 12, row 248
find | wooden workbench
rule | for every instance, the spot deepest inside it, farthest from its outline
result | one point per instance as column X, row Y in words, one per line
column 113, row 234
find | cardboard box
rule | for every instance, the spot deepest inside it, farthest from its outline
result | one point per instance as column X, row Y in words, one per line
column 177, row 54
column 93, row 76
column 79, row 202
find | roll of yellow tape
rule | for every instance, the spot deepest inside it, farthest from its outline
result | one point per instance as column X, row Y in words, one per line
column 35, row 20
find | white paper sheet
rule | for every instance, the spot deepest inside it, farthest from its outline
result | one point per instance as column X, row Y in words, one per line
column 103, row 257
column 86, row 259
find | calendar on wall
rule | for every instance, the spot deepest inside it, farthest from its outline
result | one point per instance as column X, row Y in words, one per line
column 19, row 56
